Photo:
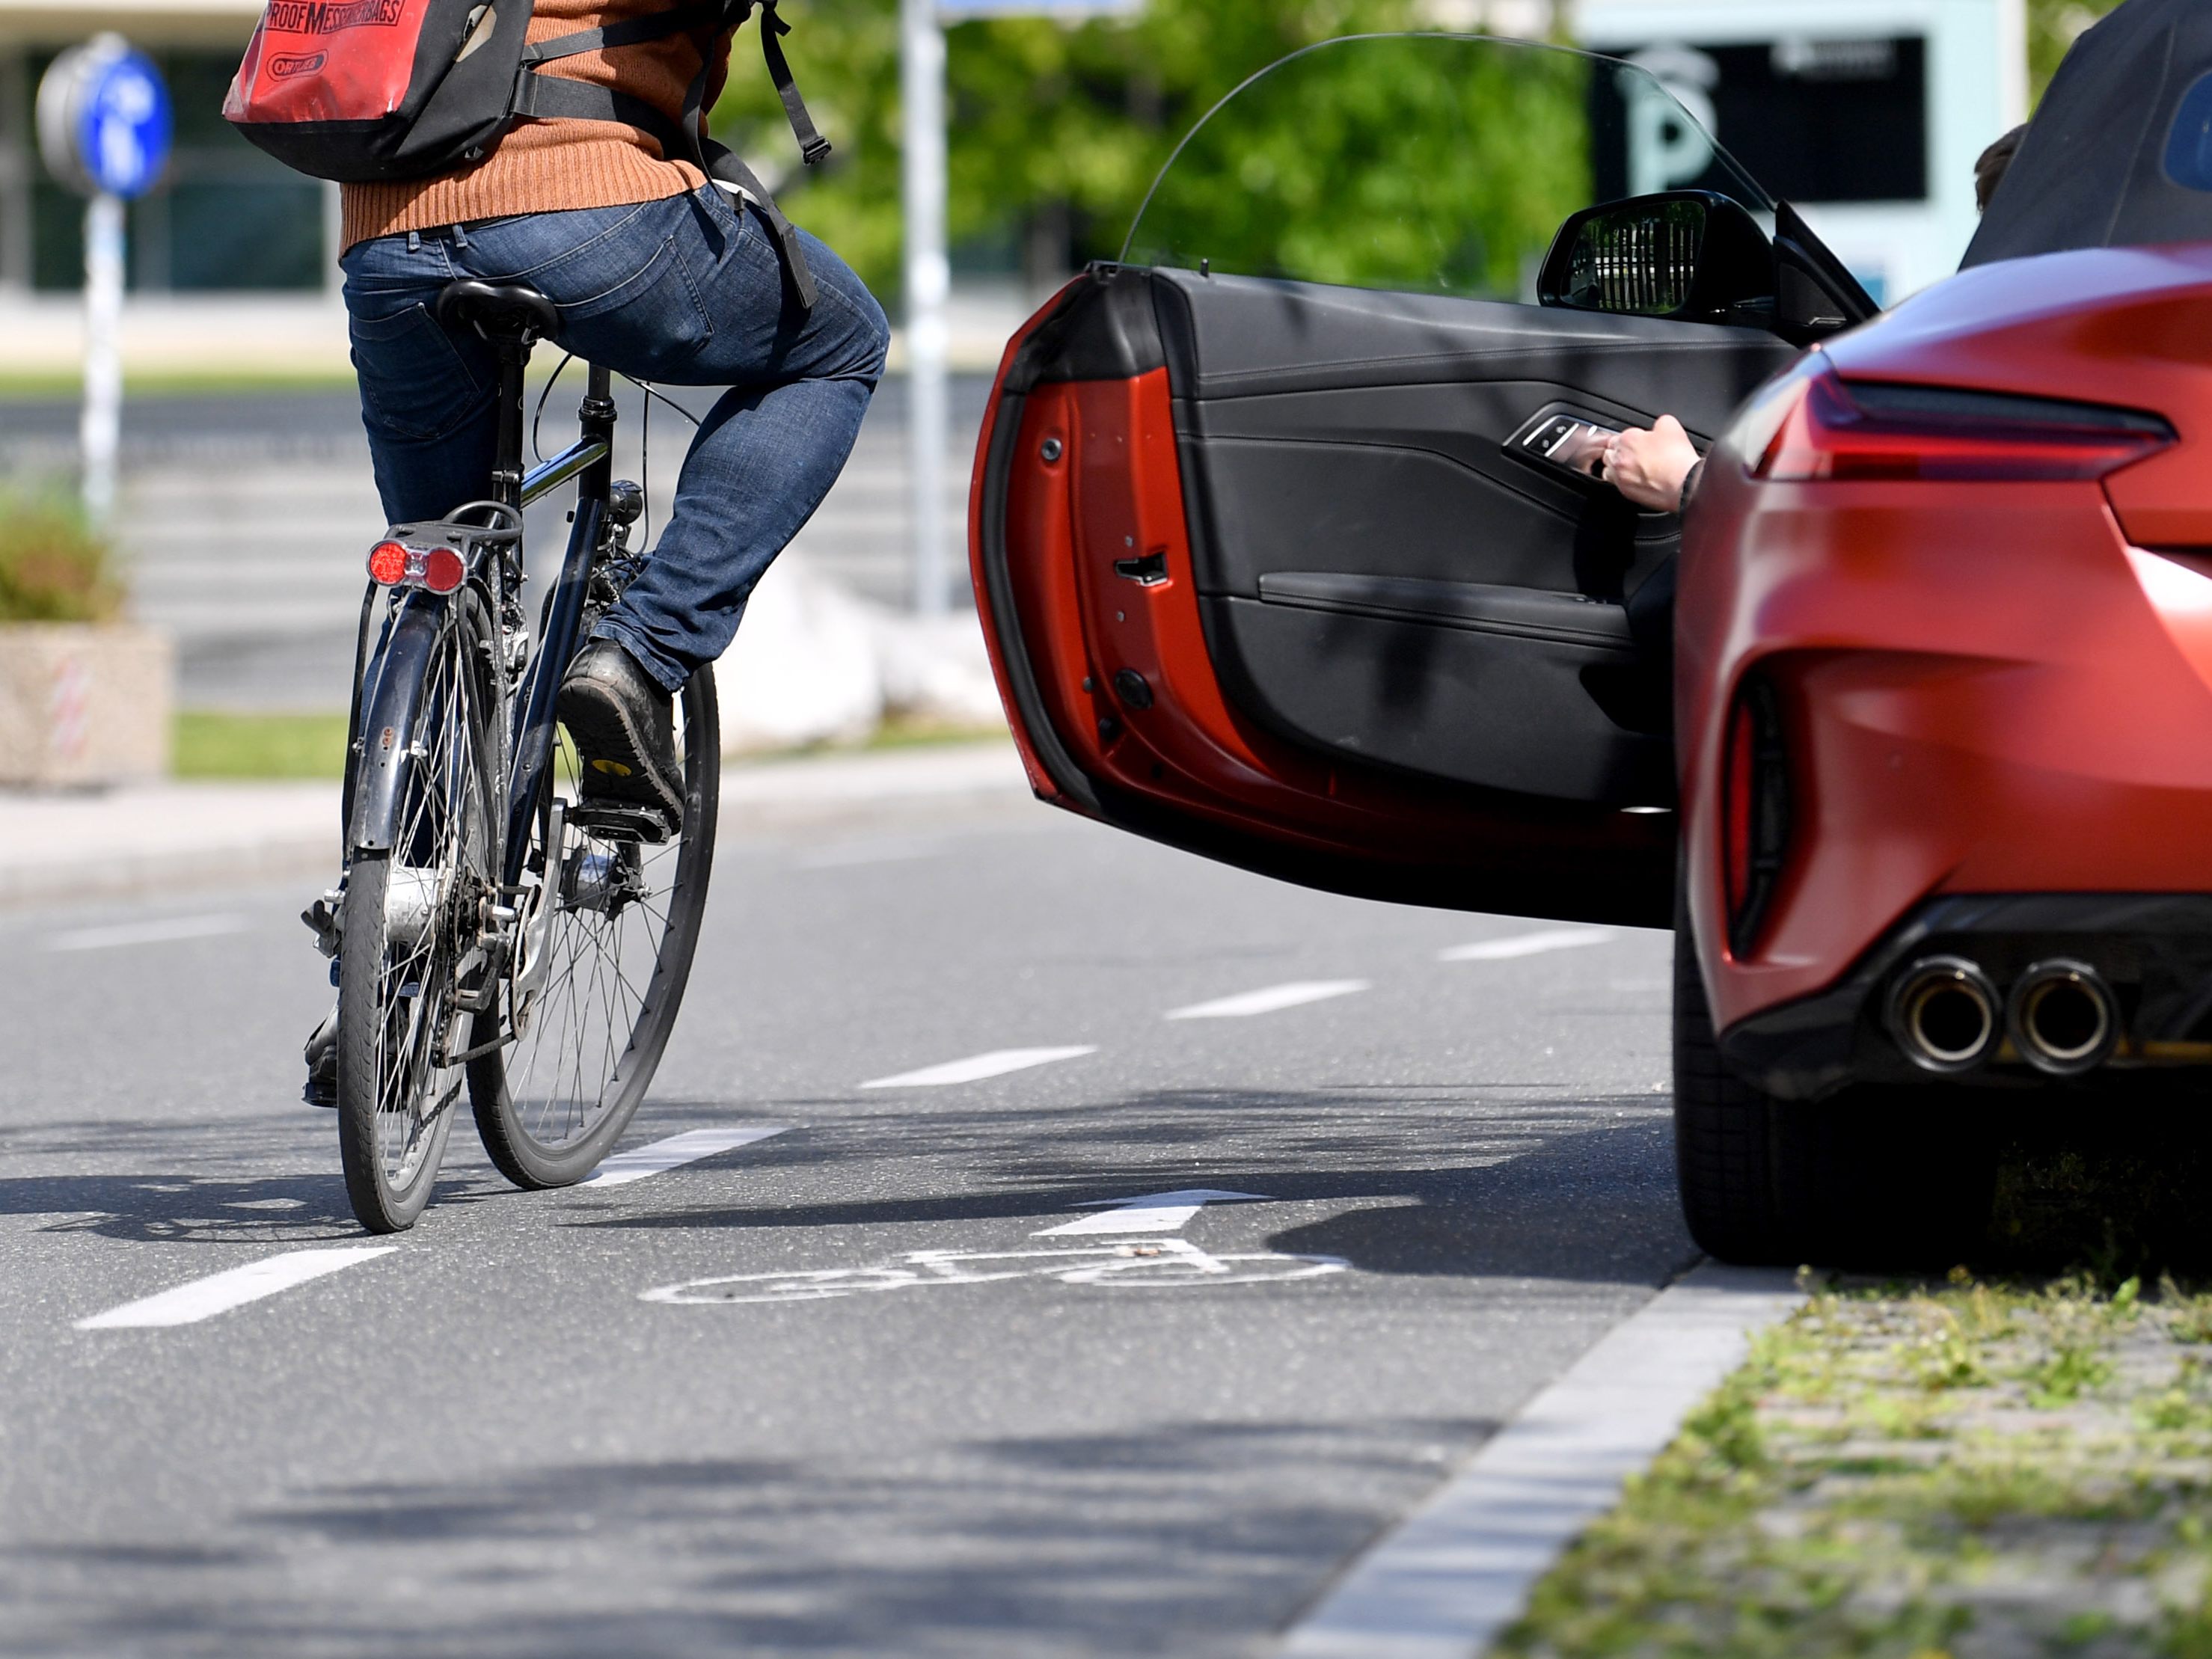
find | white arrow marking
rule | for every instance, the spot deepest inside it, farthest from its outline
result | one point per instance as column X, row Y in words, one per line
column 203, row 1298
column 1273, row 997
column 678, row 1149
column 976, row 1067
column 1153, row 1213
column 1524, row 944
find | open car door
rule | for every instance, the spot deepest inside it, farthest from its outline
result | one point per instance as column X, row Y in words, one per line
column 1283, row 533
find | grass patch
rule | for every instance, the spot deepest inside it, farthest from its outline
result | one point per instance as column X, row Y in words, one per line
column 220, row 745
column 1920, row 1472
column 62, row 384
column 210, row 744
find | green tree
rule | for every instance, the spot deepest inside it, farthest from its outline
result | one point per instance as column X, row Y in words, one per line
column 1053, row 127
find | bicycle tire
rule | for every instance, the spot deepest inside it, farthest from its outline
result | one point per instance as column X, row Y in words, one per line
column 390, row 1147
column 545, row 1123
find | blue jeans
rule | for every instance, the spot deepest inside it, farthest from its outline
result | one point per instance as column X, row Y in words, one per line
column 689, row 291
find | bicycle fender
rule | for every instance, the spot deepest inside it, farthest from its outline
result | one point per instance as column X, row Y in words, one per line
column 392, row 708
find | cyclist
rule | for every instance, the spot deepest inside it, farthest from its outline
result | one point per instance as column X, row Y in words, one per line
column 659, row 274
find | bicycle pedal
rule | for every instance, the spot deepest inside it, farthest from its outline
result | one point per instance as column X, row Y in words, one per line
column 611, row 820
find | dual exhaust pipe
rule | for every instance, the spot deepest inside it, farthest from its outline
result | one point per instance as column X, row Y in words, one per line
column 1947, row 1017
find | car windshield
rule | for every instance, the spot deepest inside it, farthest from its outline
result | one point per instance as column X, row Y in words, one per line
column 1428, row 163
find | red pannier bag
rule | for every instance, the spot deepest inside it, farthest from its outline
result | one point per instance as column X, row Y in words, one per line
column 362, row 90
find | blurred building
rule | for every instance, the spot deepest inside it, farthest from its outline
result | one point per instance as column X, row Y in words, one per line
column 1866, row 114
column 226, row 219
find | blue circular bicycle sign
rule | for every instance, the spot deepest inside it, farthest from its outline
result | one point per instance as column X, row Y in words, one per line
column 104, row 121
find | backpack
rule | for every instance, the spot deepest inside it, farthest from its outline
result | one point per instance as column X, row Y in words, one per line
column 366, row 91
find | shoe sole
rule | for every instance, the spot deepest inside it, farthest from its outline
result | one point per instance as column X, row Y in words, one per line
column 611, row 752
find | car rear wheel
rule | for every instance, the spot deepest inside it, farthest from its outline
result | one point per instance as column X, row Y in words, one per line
column 1865, row 1178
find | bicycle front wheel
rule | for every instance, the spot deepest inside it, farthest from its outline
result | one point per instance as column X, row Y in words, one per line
column 608, row 929
column 412, row 939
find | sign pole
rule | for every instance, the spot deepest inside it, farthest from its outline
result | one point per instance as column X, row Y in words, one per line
column 922, row 75
column 101, row 429
column 105, row 128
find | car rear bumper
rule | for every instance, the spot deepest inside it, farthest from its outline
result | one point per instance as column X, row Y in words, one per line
column 2153, row 950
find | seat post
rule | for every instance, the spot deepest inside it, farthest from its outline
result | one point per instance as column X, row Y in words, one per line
column 506, row 466
column 597, row 417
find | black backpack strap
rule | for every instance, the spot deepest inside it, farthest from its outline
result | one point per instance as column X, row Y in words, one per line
column 813, row 146
column 725, row 169
column 553, row 97
column 629, row 33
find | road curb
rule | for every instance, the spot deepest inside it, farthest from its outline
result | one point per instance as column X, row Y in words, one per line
column 1446, row 1582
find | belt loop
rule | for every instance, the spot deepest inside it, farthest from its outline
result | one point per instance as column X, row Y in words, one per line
column 414, row 241
column 461, row 237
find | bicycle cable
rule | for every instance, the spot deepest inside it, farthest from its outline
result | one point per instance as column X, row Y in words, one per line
column 537, row 448
column 645, row 447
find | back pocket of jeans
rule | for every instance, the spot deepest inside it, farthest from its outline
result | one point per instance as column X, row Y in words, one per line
column 416, row 384
column 657, row 310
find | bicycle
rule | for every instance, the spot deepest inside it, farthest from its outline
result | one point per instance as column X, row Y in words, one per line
column 495, row 929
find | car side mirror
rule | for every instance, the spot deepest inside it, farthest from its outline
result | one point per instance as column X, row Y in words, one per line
column 1690, row 255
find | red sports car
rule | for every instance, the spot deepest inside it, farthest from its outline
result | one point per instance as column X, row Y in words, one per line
column 1286, row 541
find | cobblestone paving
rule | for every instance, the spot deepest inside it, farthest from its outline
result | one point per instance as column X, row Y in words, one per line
column 1965, row 1471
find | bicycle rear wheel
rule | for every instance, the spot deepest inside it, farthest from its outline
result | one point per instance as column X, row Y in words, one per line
column 411, row 923
column 608, row 929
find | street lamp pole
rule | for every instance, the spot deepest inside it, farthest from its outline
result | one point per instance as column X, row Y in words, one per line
column 927, row 282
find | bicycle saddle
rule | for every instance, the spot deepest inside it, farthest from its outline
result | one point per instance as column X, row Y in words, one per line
column 511, row 311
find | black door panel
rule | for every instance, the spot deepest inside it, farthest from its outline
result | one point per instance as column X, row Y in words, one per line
column 1385, row 573
column 1516, row 612
column 1493, row 703
column 1402, row 503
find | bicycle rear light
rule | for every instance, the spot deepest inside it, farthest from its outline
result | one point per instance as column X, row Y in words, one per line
column 387, row 564
column 394, row 564
column 443, row 570
column 1861, row 431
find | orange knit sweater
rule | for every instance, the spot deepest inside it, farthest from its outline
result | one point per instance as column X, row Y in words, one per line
column 550, row 167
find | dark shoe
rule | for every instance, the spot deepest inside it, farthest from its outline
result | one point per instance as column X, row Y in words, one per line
column 322, row 1058
column 622, row 726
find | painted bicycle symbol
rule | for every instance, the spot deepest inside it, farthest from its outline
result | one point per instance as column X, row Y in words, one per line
column 1154, row 1264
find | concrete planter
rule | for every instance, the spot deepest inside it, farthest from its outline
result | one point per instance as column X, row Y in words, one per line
column 83, row 705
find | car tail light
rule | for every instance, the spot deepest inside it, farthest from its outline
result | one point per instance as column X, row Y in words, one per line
column 394, row 564
column 1755, row 810
column 1863, row 430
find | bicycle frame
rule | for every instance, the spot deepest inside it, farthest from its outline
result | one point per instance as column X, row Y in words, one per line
column 590, row 461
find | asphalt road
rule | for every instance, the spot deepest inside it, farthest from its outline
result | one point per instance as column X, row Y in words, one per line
column 487, row 1442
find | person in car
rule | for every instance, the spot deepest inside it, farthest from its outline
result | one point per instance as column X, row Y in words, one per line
column 1656, row 467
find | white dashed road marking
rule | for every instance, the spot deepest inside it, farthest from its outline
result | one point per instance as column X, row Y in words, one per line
column 1524, row 944
column 203, row 1298
column 1154, row 1212
column 687, row 1148
column 1270, row 999
column 147, row 932
column 976, row 1067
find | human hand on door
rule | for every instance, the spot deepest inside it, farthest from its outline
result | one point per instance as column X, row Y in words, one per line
column 1649, row 466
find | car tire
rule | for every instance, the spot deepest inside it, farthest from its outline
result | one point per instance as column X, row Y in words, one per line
column 1866, row 1178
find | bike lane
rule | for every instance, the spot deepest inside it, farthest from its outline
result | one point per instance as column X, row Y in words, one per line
column 1127, row 1454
